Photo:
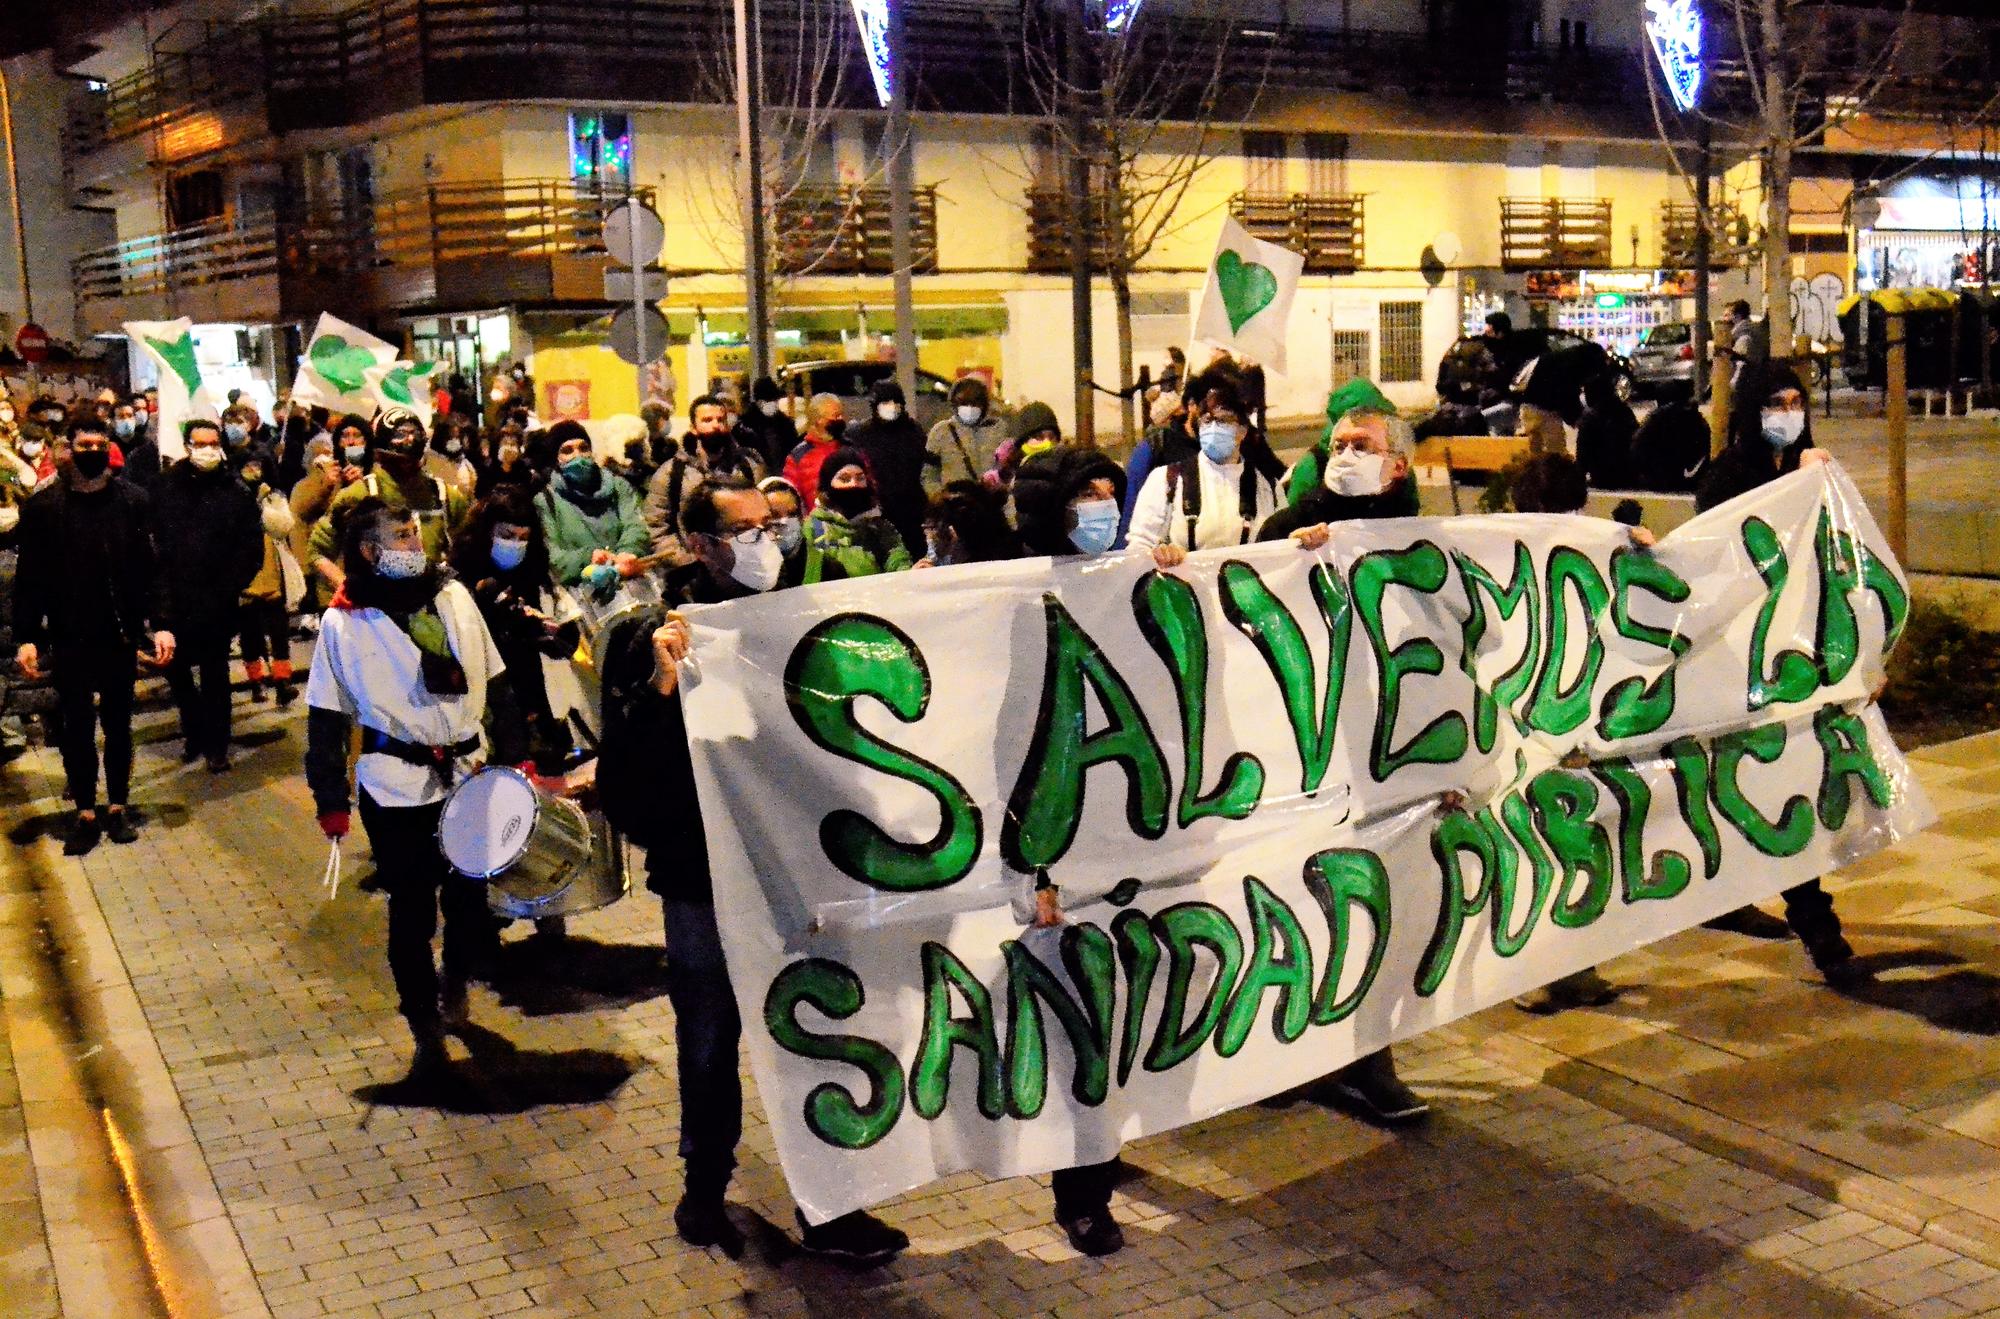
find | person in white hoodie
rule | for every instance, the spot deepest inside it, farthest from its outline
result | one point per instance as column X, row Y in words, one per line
column 1212, row 499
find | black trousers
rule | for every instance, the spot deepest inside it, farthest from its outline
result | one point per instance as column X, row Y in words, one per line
column 1809, row 911
column 266, row 633
column 93, row 682
column 199, row 678
column 707, row 1033
column 1085, row 1189
column 414, row 874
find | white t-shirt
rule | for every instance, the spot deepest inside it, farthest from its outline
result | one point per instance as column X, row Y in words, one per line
column 1221, row 518
column 368, row 669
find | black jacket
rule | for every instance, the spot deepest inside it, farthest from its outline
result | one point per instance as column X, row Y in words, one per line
column 896, row 452
column 1741, row 468
column 87, row 572
column 1322, row 505
column 211, row 543
column 770, row 438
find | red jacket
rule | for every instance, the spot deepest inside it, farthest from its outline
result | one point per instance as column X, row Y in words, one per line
column 803, row 463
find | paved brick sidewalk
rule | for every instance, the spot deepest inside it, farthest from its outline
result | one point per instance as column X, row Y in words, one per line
column 273, row 1013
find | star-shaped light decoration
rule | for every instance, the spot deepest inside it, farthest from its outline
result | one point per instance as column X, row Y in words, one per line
column 1674, row 27
column 873, row 16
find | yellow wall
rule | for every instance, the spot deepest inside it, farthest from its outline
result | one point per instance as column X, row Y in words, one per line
column 614, row 386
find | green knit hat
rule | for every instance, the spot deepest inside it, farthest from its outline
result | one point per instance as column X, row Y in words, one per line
column 1356, row 393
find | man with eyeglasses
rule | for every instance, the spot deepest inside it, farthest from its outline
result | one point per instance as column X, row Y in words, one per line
column 646, row 784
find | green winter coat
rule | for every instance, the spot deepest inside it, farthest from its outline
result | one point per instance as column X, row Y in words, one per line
column 573, row 534
column 1305, row 474
column 867, row 545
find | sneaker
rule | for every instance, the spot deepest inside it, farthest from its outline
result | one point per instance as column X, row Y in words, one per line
column 259, row 693
column 454, row 1005
column 1835, row 961
column 189, row 754
column 287, row 693
column 1750, row 922
column 82, row 836
column 1095, row 1233
column 1585, row 989
column 1369, row 1089
column 430, row 1059
column 705, row 1222
column 118, row 827
column 855, row 1238
column 219, row 763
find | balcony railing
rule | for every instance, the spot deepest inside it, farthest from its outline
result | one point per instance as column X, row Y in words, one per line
column 1680, row 224
column 1540, row 233
column 1323, row 228
column 847, row 231
column 219, row 70
column 1049, row 230
column 216, row 252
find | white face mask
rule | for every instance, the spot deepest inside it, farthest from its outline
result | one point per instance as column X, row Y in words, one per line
column 1353, row 473
column 769, row 407
column 969, row 415
column 1782, row 429
column 888, row 411
column 400, row 565
column 205, row 457
column 756, row 566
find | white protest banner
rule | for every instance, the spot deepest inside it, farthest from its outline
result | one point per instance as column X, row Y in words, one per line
column 183, row 395
column 334, row 371
column 1247, row 302
column 1236, row 775
column 404, row 385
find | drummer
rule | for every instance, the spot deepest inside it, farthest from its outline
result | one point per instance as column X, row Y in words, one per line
column 646, row 783
column 403, row 651
column 594, row 525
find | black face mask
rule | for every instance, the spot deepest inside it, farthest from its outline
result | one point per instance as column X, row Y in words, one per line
column 836, row 428
column 91, row 463
column 849, row 501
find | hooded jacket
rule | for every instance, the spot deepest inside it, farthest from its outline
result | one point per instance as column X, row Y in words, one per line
column 1045, row 484
column 896, row 454
column 1306, row 473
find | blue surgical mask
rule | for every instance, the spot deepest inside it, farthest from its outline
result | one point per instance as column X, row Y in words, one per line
column 1096, row 526
column 235, row 433
column 508, row 552
column 1219, row 440
column 1782, row 429
column 788, row 533
column 124, row 426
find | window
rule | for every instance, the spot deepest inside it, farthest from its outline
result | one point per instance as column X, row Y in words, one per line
column 1326, row 164
column 1264, row 163
column 600, row 152
column 1402, row 341
column 194, row 197
column 1350, row 356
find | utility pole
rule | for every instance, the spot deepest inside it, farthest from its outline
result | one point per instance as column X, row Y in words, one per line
column 14, row 196
column 1082, row 211
column 902, row 254
column 1704, row 241
column 750, row 156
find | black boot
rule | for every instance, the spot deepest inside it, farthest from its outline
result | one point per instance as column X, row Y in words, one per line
column 1369, row 1089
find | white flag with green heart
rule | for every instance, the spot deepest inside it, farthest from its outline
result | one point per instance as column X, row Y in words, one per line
column 405, row 385
column 184, row 395
column 334, row 371
column 1247, row 302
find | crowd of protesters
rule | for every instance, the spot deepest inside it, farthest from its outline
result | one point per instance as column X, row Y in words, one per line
column 437, row 565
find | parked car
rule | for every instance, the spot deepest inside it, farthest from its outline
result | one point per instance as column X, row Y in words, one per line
column 1471, row 371
column 852, row 381
column 1663, row 363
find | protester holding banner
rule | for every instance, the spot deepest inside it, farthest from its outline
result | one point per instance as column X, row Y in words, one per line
column 1356, row 393
column 805, row 563
column 594, row 526
column 211, row 544
column 404, row 653
column 848, row 525
column 85, row 598
column 398, row 480
column 1215, row 498
column 647, row 787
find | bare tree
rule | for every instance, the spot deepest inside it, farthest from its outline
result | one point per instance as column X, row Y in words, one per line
column 1141, row 104
column 1781, row 75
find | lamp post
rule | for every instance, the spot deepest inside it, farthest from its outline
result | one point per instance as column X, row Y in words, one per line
column 750, row 152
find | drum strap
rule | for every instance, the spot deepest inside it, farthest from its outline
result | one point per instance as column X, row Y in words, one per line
column 440, row 760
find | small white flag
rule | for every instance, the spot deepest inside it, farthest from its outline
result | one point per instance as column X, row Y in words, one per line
column 405, row 385
column 183, row 394
column 334, row 371
column 1247, row 303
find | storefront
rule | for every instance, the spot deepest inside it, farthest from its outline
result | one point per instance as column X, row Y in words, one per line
column 1934, row 234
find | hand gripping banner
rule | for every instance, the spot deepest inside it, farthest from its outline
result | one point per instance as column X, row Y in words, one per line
column 1297, row 805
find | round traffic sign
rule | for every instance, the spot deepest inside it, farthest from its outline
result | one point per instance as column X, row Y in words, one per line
column 638, row 339
column 32, row 343
column 634, row 233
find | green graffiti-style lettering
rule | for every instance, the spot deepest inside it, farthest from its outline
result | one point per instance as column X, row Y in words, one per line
column 930, row 1076
column 835, row 664
column 1341, row 879
column 1670, row 871
column 1563, row 804
column 1508, row 689
column 1420, row 568
column 1086, row 954
column 1507, row 940
column 1514, row 813
column 1793, row 829
column 1180, row 929
column 1558, row 709
column 1895, row 600
column 1633, row 708
column 1455, row 835
column 1047, row 802
column 1170, row 617
column 1839, row 639
column 1843, row 738
column 1139, row 954
column 1797, row 677
column 1691, row 787
column 1281, row 959
column 831, row 1112
column 1251, row 608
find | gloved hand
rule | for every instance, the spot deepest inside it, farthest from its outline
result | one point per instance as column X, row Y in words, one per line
column 601, row 576
column 334, row 824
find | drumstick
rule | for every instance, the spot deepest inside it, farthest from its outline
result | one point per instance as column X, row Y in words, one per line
column 330, row 877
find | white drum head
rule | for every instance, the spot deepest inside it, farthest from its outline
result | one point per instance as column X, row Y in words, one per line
column 487, row 822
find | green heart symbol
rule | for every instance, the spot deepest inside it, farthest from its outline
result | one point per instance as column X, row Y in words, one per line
column 340, row 363
column 178, row 354
column 395, row 384
column 1247, row 288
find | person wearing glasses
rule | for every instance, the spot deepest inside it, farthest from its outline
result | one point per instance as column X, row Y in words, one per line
column 1215, row 496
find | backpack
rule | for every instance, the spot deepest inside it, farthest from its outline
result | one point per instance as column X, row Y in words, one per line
column 1184, row 480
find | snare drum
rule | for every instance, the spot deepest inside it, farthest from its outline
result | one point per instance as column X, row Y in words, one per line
column 603, row 616
column 539, row 854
